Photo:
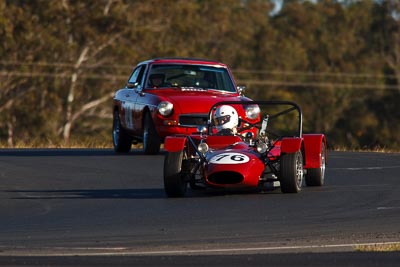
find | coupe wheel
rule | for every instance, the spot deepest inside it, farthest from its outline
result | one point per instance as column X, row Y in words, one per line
column 316, row 176
column 291, row 172
column 121, row 140
column 151, row 140
column 175, row 183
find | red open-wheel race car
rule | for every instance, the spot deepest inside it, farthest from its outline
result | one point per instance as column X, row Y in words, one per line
column 232, row 152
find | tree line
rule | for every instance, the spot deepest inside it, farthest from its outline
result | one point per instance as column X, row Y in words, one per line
column 61, row 62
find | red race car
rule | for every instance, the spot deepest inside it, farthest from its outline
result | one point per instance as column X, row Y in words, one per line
column 228, row 154
column 169, row 96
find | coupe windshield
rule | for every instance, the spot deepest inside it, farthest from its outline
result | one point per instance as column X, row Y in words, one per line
column 190, row 76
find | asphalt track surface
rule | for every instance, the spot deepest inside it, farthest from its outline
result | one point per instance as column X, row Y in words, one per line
column 78, row 207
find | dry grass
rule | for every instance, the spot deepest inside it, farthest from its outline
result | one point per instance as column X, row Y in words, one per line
column 377, row 149
column 386, row 247
column 87, row 143
column 97, row 143
column 106, row 143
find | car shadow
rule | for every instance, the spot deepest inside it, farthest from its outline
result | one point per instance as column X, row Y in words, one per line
column 144, row 193
column 148, row 193
column 51, row 152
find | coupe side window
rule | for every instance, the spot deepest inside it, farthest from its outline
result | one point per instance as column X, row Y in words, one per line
column 136, row 77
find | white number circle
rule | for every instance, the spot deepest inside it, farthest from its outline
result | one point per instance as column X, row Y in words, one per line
column 229, row 158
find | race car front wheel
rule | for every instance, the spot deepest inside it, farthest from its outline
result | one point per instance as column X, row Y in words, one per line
column 291, row 172
column 175, row 183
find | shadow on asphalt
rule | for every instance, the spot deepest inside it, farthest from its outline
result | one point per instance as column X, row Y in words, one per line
column 50, row 152
column 148, row 193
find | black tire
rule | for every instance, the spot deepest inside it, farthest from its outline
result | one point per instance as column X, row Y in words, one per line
column 316, row 176
column 151, row 140
column 175, row 183
column 291, row 172
column 122, row 141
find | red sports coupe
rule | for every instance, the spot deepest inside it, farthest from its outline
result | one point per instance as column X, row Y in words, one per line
column 168, row 96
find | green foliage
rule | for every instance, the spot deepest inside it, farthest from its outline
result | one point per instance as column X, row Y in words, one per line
column 339, row 61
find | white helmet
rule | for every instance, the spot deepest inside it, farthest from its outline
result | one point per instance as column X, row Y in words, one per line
column 226, row 117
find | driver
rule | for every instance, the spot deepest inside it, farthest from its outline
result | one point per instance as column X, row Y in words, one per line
column 226, row 120
column 156, row 80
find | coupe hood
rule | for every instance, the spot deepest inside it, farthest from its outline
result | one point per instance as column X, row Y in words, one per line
column 186, row 102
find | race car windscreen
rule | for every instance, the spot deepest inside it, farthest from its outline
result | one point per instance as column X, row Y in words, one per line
column 276, row 119
column 282, row 121
column 190, row 76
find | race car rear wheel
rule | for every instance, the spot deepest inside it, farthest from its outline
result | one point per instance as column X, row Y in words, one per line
column 291, row 172
column 122, row 141
column 316, row 176
column 175, row 183
column 151, row 140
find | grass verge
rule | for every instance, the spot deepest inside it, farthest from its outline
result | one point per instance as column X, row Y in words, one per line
column 386, row 247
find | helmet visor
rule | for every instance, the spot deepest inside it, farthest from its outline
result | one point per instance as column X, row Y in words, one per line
column 222, row 120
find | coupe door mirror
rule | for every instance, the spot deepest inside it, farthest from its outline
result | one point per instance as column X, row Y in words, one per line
column 132, row 85
column 241, row 89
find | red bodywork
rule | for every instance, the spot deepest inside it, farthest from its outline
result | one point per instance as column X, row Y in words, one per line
column 313, row 144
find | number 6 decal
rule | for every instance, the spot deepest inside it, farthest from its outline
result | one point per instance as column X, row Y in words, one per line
column 229, row 158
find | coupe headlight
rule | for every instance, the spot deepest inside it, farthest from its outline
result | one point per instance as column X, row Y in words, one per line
column 252, row 112
column 165, row 108
column 202, row 147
